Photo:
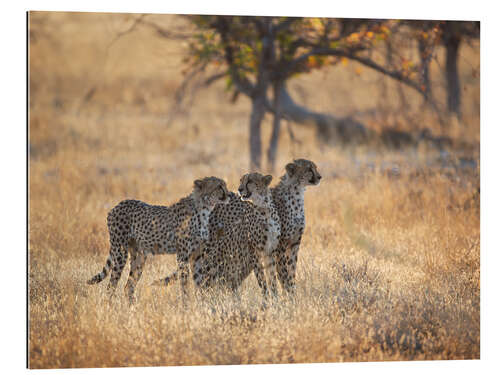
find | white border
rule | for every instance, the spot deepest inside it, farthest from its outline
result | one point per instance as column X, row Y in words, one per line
column 427, row 9
column 14, row 161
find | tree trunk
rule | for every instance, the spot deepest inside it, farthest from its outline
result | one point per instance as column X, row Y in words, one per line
column 329, row 128
column 273, row 144
column 452, row 44
column 424, row 61
column 256, row 117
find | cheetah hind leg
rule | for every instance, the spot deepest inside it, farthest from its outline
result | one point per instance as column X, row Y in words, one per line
column 119, row 261
column 136, row 267
column 114, row 255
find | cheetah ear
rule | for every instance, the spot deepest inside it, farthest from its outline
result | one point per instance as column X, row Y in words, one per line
column 267, row 179
column 290, row 169
column 198, row 184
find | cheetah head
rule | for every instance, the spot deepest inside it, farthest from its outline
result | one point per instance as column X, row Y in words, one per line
column 255, row 187
column 210, row 191
column 303, row 172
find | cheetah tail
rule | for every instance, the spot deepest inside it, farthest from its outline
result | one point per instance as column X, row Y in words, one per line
column 167, row 280
column 102, row 275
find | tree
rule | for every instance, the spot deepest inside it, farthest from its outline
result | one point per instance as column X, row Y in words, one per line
column 260, row 54
column 449, row 34
column 454, row 32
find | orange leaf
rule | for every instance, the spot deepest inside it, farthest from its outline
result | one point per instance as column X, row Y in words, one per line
column 353, row 38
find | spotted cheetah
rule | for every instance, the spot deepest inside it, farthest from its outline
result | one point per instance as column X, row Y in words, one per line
column 142, row 229
column 251, row 234
column 243, row 236
column 225, row 224
column 288, row 197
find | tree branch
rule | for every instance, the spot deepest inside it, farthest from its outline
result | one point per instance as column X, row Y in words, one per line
column 215, row 78
column 241, row 83
column 180, row 93
column 395, row 74
column 163, row 32
column 127, row 31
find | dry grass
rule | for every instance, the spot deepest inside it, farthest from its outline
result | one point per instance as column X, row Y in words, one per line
column 389, row 263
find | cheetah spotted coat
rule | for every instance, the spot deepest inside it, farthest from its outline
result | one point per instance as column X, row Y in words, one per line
column 288, row 197
column 141, row 229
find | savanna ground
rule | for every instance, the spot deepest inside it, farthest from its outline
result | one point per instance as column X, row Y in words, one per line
column 389, row 263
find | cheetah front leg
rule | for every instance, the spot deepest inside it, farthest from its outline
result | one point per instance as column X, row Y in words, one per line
column 287, row 266
column 183, row 270
column 280, row 259
column 271, row 274
column 292, row 267
column 261, row 279
column 270, row 271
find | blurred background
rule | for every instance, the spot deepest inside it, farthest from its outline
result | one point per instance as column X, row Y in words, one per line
column 126, row 81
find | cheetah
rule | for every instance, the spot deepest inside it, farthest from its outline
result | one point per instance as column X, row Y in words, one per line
column 288, row 197
column 141, row 229
column 251, row 234
column 243, row 236
column 225, row 224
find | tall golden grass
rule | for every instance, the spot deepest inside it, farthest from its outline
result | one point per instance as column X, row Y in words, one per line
column 389, row 263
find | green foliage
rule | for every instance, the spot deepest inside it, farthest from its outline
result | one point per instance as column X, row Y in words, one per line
column 300, row 45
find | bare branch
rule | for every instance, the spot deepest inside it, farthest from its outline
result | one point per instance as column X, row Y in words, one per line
column 395, row 74
column 215, row 78
column 164, row 32
column 180, row 93
column 125, row 32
